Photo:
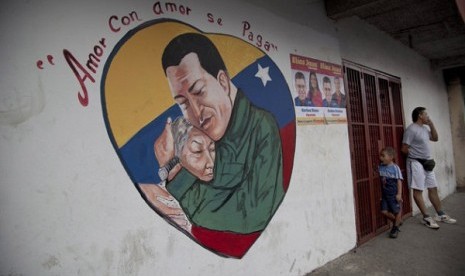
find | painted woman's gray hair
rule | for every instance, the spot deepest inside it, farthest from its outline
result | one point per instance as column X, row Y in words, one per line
column 180, row 129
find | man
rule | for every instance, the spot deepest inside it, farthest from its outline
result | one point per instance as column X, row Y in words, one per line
column 415, row 145
column 338, row 97
column 247, row 186
column 301, row 89
column 327, row 90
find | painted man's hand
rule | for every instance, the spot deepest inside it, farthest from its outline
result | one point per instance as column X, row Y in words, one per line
column 174, row 171
column 164, row 145
column 162, row 200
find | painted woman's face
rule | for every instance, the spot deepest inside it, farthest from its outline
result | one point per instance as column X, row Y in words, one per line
column 313, row 81
column 198, row 155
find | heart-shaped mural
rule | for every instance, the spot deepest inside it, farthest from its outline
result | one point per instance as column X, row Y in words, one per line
column 213, row 115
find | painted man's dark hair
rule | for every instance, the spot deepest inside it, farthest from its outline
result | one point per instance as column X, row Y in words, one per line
column 326, row 80
column 299, row 75
column 209, row 57
column 416, row 112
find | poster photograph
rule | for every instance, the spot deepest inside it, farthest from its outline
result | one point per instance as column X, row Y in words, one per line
column 318, row 91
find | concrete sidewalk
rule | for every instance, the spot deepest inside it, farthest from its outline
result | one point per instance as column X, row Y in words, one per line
column 417, row 250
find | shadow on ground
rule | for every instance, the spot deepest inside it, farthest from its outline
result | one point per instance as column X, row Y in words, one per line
column 418, row 250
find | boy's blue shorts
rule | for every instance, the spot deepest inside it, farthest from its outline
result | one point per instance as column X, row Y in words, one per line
column 390, row 204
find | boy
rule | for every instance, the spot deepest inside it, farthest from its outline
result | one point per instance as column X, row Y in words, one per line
column 391, row 180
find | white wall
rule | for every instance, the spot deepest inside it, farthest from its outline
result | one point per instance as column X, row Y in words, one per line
column 457, row 113
column 67, row 205
column 362, row 43
column 421, row 86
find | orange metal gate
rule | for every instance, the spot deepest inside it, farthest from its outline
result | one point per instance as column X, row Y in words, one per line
column 375, row 120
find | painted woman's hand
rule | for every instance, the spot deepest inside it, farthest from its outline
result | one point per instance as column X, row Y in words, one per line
column 164, row 145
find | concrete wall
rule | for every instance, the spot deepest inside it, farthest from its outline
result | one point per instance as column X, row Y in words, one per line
column 457, row 117
column 68, row 207
column 362, row 43
column 421, row 86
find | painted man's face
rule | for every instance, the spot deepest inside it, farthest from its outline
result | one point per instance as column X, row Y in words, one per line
column 198, row 155
column 337, row 84
column 327, row 89
column 203, row 98
column 301, row 88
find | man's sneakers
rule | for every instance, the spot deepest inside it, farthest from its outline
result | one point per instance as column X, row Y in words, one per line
column 429, row 222
column 445, row 218
column 394, row 232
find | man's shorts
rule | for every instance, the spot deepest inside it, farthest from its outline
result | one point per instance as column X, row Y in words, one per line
column 390, row 204
column 418, row 178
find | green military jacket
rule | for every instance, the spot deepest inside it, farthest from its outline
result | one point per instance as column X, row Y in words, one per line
column 248, row 184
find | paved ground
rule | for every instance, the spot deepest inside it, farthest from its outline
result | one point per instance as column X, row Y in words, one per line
column 417, row 250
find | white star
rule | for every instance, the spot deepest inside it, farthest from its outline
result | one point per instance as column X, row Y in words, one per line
column 263, row 74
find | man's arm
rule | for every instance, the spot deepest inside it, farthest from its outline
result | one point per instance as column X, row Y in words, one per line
column 248, row 193
column 261, row 189
column 405, row 149
column 434, row 134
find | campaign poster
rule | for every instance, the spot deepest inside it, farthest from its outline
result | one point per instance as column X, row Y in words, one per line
column 318, row 91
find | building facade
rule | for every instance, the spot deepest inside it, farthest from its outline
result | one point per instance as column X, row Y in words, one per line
column 71, row 200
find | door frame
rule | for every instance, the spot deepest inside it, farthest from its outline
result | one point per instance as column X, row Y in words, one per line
column 395, row 128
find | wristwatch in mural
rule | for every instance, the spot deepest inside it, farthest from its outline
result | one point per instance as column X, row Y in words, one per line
column 164, row 171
